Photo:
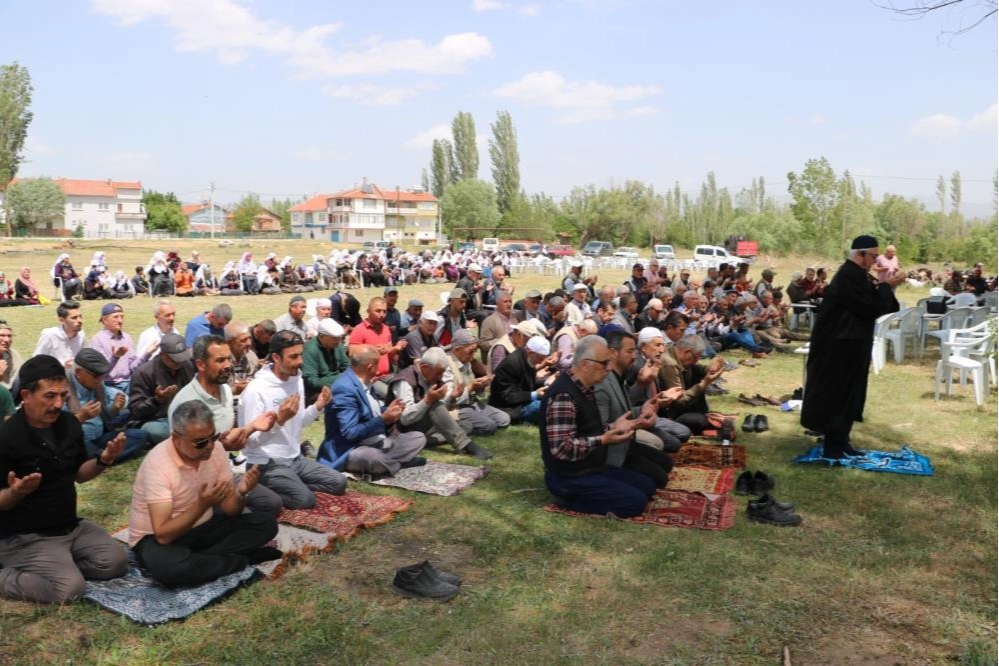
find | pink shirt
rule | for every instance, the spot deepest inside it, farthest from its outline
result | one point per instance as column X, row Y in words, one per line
column 164, row 477
column 886, row 267
column 364, row 334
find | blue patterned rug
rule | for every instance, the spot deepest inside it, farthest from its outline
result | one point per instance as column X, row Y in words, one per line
column 143, row 601
column 905, row 461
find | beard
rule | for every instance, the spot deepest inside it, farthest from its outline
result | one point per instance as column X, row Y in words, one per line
column 223, row 377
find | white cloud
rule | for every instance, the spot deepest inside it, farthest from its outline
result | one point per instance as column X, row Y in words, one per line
column 937, row 126
column 583, row 101
column 487, row 5
column 987, row 120
column 233, row 33
column 529, row 10
column 426, row 139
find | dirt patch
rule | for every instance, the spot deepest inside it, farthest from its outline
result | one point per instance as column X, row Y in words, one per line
column 865, row 647
column 693, row 632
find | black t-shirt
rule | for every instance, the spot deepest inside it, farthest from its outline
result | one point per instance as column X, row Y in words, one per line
column 56, row 453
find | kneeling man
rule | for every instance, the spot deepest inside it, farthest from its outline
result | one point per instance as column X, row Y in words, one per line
column 174, row 527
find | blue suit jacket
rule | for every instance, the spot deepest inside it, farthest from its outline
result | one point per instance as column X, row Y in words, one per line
column 349, row 418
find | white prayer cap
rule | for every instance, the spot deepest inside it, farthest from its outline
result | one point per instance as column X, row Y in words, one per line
column 430, row 315
column 654, row 303
column 527, row 328
column 539, row 345
column 474, row 267
column 649, row 333
column 578, row 286
column 324, row 303
column 576, row 263
column 329, row 327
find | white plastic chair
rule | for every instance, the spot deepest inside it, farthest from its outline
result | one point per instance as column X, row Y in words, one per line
column 878, row 350
column 992, row 301
column 978, row 315
column 60, row 295
column 907, row 329
column 953, row 319
column 963, row 300
column 957, row 354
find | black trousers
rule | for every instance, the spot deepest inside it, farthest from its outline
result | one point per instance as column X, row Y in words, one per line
column 648, row 461
column 696, row 421
column 211, row 550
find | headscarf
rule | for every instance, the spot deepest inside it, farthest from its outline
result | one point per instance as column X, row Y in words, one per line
column 27, row 281
column 6, row 289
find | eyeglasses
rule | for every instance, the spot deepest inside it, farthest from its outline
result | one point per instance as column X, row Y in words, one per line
column 605, row 364
column 202, row 443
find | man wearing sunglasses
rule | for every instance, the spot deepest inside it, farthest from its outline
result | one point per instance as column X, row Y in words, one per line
column 278, row 387
column 186, row 524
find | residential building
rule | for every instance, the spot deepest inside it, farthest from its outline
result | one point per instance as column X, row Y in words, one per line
column 411, row 217
column 357, row 215
column 310, row 219
column 265, row 223
column 99, row 208
column 201, row 218
column 370, row 213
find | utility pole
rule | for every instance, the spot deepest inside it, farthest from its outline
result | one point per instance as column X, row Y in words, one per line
column 211, row 204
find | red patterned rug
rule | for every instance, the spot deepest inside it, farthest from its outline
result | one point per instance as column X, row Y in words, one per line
column 697, row 479
column 710, row 455
column 676, row 508
column 342, row 516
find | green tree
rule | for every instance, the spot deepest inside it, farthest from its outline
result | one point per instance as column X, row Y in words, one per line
column 505, row 161
column 15, row 116
column 424, row 180
column 816, row 195
column 466, row 153
column 440, row 167
column 942, row 193
column 246, row 211
column 280, row 208
column 163, row 212
column 469, row 209
column 34, row 201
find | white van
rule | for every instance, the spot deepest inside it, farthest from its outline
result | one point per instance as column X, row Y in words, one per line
column 490, row 244
column 663, row 252
column 712, row 254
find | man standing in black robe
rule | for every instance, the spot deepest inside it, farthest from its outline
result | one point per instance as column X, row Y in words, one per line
column 840, row 350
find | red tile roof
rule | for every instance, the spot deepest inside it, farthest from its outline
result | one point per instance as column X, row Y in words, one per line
column 379, row 193
column 75, row 187
column 315, row 203
column 127, row 184
column 190, row 209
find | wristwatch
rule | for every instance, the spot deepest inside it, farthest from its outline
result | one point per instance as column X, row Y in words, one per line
column 100, row 460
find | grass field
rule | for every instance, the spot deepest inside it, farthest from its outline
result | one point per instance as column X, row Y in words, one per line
column 886, row 569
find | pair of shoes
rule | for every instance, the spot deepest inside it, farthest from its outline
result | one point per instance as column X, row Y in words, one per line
column 850, row 451
column 748, row 363
column 476, row 451
column 423, row 581
column 797, row 393
column 750, row 483
column 418, row 461
column 761, row 354
column 767, row 510
column 755, row 401
column 755, row 423
column 714, row 389
column 769, row 400
column 307, row 450
column 729, row 366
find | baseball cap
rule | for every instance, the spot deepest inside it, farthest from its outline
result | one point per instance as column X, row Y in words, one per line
column 330, row 328
column 390, row 289
column 768, row 273
column 576, row 263
column 110, row 308
column 539, row 345
column 578, row 286
column 457, row 293
column 415, row 303
column 474, row 267
column 461, row 338
column 173, row 345
column 92, row 361
column 638, row 266
column 430, row 315
column 534, row 293
column 527, row 328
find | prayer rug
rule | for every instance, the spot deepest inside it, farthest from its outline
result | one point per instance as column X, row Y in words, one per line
column 342, row 516
column 696, row 479
column 710, row 455
column 144, row 601
column 676, row 508
column 904, row 461
column 434, row 478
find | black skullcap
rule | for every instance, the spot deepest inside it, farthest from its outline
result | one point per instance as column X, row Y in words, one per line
column 41, row 366
column 864, row 243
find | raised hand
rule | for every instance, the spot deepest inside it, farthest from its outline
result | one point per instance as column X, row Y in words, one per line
column 235, row 439
column 324, row 398
column 88, row 411
column 119, row 351
column 264, row 422
column 215, row 492
column 435, row 394
column 113, row 449
column 249, row 480
column 393, row 412
column 25, row 485
column 164, row 394
column 288, row 409
column 458, row 391
column 119, row 403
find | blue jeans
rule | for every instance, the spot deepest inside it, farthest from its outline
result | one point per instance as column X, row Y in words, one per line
column 623, row 492
column 742, row 339
column 136, row 441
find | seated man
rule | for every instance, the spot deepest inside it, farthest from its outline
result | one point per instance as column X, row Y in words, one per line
column 374, row 331
column 497, row 325
column 46, row 550
column 474, row 417
column 155, row 383
column 212, row 322
column 681, row 370
column 356, row 424
column 66, row 339
column 117, row 347
column 420, row 339
column 294, row 319
column 187, row 525
column 574, row 442
column 95, row 405
column 515, row 339
column 243, row 359
column 278, row 452
column 427, row 402
column 324, row 359
column 516, row 388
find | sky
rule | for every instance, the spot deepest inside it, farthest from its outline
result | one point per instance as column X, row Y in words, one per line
column 298, row 97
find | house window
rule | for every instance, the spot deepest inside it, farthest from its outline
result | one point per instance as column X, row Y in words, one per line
column 103, row 206
column 120, row 207
column 370, row 203
column 322, row 217
column 77, row 205
column 428, row 205
column 358, row 233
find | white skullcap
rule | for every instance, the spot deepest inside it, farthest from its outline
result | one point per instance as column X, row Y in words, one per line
column 578, row 286
column 649, row 333
column 539, row 345
column 324, row 303
column 331, row 328
column 654, row 303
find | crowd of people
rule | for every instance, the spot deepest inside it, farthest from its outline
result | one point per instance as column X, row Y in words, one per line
column 615, row 378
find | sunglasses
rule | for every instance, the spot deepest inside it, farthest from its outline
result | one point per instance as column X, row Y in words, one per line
column 204, row 441
column 605, row 364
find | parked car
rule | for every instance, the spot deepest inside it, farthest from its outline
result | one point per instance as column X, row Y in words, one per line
column 598, row 249
column 712, row 254
column 374, row 246
column 626, row 252
column 534, row 249
column 467, row 246
column 490, row 244
column 556, row 251
column 514, row 248
column 663, row 252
